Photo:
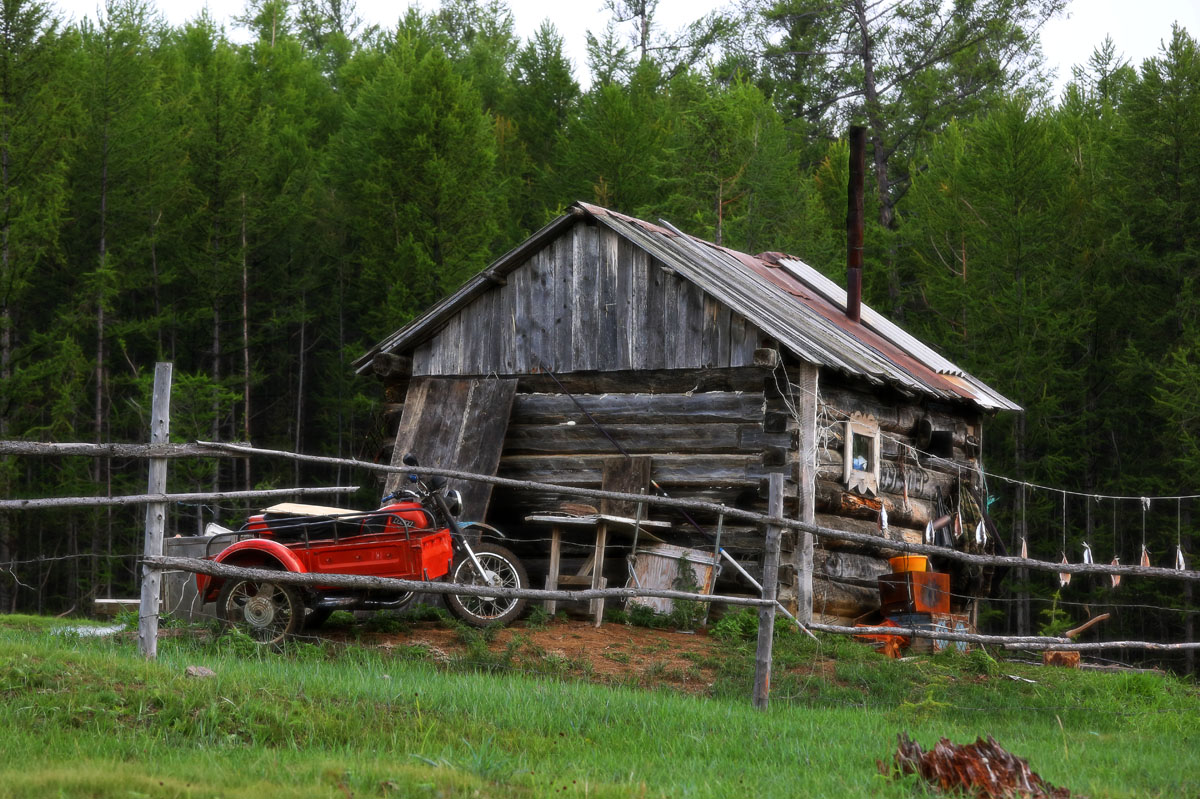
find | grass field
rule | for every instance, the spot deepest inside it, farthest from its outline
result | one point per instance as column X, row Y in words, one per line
column 86, row 717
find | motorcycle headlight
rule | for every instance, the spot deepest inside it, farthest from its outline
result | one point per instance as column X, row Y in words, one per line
column 454, row 502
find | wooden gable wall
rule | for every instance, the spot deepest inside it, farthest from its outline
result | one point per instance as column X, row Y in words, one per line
column 589, row 301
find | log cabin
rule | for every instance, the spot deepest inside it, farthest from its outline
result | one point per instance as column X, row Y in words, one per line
column 606, row 336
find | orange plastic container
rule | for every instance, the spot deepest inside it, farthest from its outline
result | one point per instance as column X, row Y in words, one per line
column 908, row 563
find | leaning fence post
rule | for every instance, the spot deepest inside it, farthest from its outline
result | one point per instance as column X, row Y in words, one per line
column 770, row 586
column 156, row 513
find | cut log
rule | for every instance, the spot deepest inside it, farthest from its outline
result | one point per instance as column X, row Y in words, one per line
column 843, row 599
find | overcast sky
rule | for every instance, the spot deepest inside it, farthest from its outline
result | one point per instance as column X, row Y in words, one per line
column 1137, row 26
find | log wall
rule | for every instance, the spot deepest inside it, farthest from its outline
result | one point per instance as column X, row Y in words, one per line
column 844, row 575
column 716, row 445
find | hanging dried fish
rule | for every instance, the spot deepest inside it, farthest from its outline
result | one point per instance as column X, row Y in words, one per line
column 1087, row 553
column 929, row 536
column 1180, row 563
column 883, row 519
column 980, row 534
column 958, row 525
column 1064, row 578
column 1116, row 578
column 1145, row 556
column 1024, row 548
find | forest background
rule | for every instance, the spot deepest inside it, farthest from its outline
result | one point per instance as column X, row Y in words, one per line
column 259, row 214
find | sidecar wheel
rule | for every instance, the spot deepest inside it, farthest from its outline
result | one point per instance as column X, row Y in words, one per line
column 267, row 612
column 501, row 566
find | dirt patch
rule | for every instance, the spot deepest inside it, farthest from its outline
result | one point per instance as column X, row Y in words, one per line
column 613, row 652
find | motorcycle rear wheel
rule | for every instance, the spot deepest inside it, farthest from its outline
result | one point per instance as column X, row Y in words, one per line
column 265, row 611
column 500, row 565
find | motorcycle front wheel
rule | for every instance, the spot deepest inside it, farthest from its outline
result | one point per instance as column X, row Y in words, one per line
column 501, row 569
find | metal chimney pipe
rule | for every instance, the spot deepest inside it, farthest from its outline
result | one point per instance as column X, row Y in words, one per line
column 854, row 223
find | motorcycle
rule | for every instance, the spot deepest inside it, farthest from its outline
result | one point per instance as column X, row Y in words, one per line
column 414, row 535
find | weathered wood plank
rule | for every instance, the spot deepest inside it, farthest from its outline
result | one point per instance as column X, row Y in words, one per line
column 562, row 254
column 654, row 324
column 520, row 282
column 715, row 352
column 627, row 475
column 624, row 314
column 456, row 424
column 541, row 309
column 691, row 322
column 587, row 335
column 635, row 260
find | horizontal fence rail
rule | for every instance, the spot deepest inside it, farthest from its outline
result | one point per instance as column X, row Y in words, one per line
column 397, row 585
column 150, row 499
column 216, row 449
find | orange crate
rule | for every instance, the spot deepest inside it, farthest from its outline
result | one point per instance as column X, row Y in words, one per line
column 914, row 592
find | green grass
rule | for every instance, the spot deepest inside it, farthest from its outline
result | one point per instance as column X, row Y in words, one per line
column 85, row 717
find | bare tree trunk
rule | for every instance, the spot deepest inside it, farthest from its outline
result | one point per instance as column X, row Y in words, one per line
column 1023, row 620
column 6, row 346
column 246, row 345
column 300, row 385
column 103, row 466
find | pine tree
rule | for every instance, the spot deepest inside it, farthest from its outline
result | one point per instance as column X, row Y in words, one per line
column 414, row 162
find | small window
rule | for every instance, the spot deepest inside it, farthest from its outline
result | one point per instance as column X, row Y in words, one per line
column 861, row 461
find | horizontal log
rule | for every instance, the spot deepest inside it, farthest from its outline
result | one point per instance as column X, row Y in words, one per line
column 673, row 381
column 732, row 469
column 896, row 449
column 900, row 417
column 394, row 585
column 52, row 449
column 850, row 567
column 842, row 599
column 895, row 532
column 146, row 499
column 834, row 499
column 621, row 408
column 922, row 483
column 582, row 439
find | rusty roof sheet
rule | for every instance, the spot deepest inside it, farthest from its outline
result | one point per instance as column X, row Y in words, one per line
column 786, row 298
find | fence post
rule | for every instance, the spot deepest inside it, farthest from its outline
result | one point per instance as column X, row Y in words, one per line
column 770, row 587
column 156, row 513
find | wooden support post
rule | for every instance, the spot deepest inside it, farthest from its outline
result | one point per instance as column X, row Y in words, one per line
column 598, row 579
column 552, row 574
column 156, row 513
column 806, row 482
column 770, row 583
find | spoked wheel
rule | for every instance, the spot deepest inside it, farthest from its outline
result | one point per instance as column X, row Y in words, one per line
column 267, row 612
column 501, row 569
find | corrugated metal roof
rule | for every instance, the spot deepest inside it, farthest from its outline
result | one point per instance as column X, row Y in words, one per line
column 786, row 298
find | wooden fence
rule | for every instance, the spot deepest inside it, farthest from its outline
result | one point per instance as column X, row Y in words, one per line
column 153, row 562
